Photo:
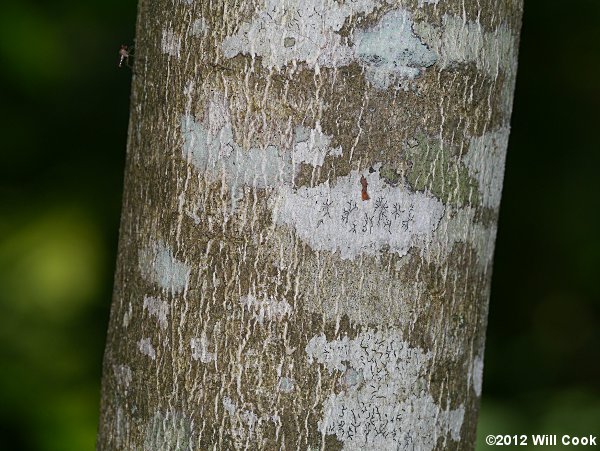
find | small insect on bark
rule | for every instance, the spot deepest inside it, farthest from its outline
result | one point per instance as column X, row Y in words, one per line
column 124, row 53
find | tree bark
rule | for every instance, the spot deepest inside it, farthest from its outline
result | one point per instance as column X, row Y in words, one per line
column 311, row 199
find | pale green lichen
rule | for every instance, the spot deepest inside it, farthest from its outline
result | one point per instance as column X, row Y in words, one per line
column 436, row 168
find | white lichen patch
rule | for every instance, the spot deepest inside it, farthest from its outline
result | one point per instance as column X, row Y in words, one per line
column 485, row 163
column 460, row 226
column 337, row 219
column 476, row 374
column 209, row 145
column 158, row 264
column 245, row 424
column 146, row 348
column 385, row 404
column 297, row 30
column 123, row 375
column 422, row 3
column 157, row 308
column 199, row 27
column 170, row 430
column 229, row 405
column 266, row 308
column 170, row 43
column 286, row 385
column 308, row 31
column 200, row 350
column 215, row 154
column 458, row 41
column 127, row 316
column 391, row 51
column 312, row 146
column 352, row 378
column 120, row 427
column 405, row 362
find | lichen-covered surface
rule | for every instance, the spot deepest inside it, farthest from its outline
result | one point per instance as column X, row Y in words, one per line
column 312, row 192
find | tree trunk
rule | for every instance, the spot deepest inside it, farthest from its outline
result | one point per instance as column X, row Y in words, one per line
column 311, row 200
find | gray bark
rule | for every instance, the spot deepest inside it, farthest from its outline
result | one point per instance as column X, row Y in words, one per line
column 310, row 208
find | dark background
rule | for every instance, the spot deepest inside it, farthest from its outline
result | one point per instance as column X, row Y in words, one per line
column 63, row 115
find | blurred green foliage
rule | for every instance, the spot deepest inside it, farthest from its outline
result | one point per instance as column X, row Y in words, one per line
column 64, row 113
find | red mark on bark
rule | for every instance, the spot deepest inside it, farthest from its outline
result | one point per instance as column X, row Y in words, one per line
column 363, row 182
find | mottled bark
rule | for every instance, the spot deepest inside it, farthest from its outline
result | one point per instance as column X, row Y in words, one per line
column 311, row 199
